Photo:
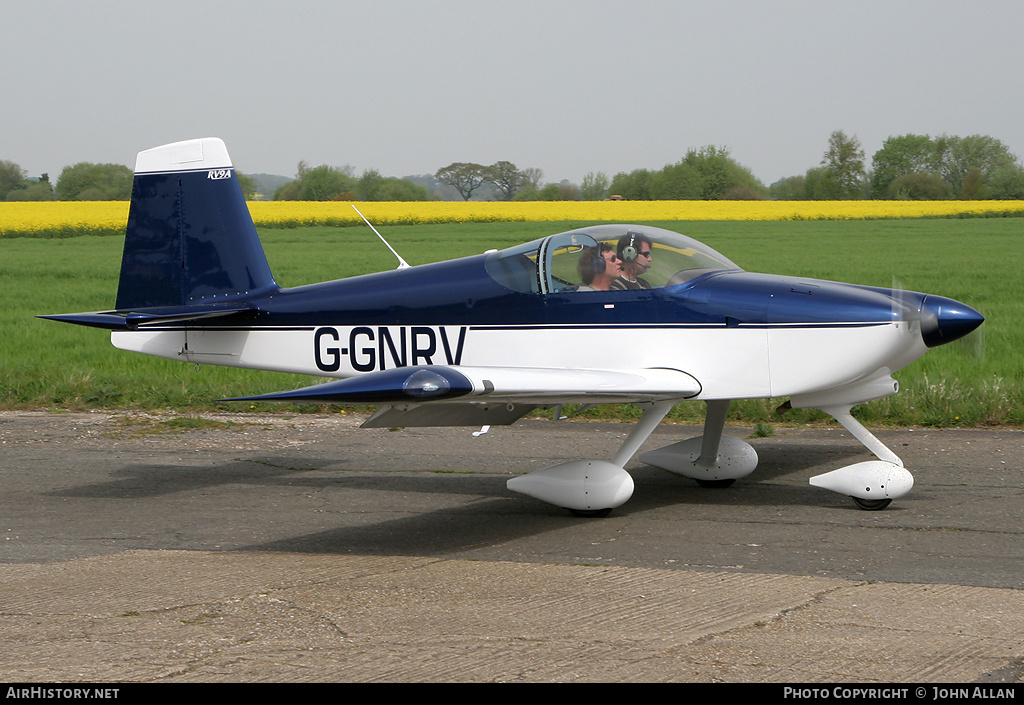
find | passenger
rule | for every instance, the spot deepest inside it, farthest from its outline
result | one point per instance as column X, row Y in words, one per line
column 598, row 267
column 634, row 252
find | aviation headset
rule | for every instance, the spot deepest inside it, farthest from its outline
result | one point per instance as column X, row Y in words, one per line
column 599, row 263
column 631, row 250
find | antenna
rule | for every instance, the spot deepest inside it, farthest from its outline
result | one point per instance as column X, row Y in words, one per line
column 402, row 264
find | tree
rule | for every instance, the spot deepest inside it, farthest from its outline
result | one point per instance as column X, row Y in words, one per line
column 595, row 186
column 368, row 184
column 548, row 193
column 844, row 165
column 322, row 183
column 568, row 191
column 677, row 182
column 957, row 155
column 1007, row 182
column 820, row 185
column 919, row 186
column 532, row 177
column 744, row 192
column 789, row 189
column 465, row 177
column 705, row 173
column 721, row 176
column 95, row 182
column 247, row 185
column 711, row 164
column 974, row 185
column 374, row 187
column 507, row 179
column 394, row 189
column 288, row 191
column 11, row 177
column 969, row 165
column 33, row 190
column 901, row 156
column 634, row 186
column 327, row 183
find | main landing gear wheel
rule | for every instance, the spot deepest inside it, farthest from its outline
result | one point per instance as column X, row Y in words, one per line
column 871, row 505
column 719, row 484
column 591, row 513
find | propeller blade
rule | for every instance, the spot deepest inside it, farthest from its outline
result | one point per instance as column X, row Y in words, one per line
column 905, row 305
column 973, row 344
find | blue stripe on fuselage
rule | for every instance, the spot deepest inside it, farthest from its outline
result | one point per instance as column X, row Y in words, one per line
column 460, row 292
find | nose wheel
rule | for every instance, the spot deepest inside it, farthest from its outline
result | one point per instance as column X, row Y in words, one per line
column 871, row 505
column 591, row 513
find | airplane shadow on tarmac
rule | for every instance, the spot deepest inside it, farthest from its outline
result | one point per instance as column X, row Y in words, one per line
column 500, row 516
column 495, row 516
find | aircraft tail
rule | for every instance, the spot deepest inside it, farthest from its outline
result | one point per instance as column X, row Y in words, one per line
column 190, row 240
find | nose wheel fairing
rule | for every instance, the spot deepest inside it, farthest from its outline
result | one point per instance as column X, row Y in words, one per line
column 874, row 483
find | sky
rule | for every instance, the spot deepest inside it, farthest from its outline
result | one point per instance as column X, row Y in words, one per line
column 566, row 86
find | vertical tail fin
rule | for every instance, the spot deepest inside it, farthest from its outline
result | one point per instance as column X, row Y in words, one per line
column 190, row 238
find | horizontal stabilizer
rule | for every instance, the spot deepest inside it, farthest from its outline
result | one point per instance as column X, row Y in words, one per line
column 179, row 314
column 164, row 315
column 111, row 320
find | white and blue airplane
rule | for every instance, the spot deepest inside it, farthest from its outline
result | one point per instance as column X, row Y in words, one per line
column 485, row 340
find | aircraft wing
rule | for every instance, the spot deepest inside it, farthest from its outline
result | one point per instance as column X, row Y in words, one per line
column 439, row 395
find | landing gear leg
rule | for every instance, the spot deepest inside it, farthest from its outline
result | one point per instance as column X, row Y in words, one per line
column 714, row 425
column 650, row 419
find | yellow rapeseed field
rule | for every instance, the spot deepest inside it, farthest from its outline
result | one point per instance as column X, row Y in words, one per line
column 70, row 218
column 62, row 218
column 296, row 213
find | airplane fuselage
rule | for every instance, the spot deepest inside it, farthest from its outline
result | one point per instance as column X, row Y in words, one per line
column 739, row 334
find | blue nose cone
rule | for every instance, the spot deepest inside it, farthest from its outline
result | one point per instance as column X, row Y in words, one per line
column 945, row 320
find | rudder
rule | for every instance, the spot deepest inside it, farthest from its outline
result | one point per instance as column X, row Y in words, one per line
column 190, row 238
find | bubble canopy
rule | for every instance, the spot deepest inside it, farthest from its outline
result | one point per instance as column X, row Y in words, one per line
column 550, row 264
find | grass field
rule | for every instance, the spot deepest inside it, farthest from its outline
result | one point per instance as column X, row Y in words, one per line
column 47, row 364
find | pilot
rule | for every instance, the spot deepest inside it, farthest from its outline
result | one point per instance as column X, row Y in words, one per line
column 598, row 267
column 634, row 252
